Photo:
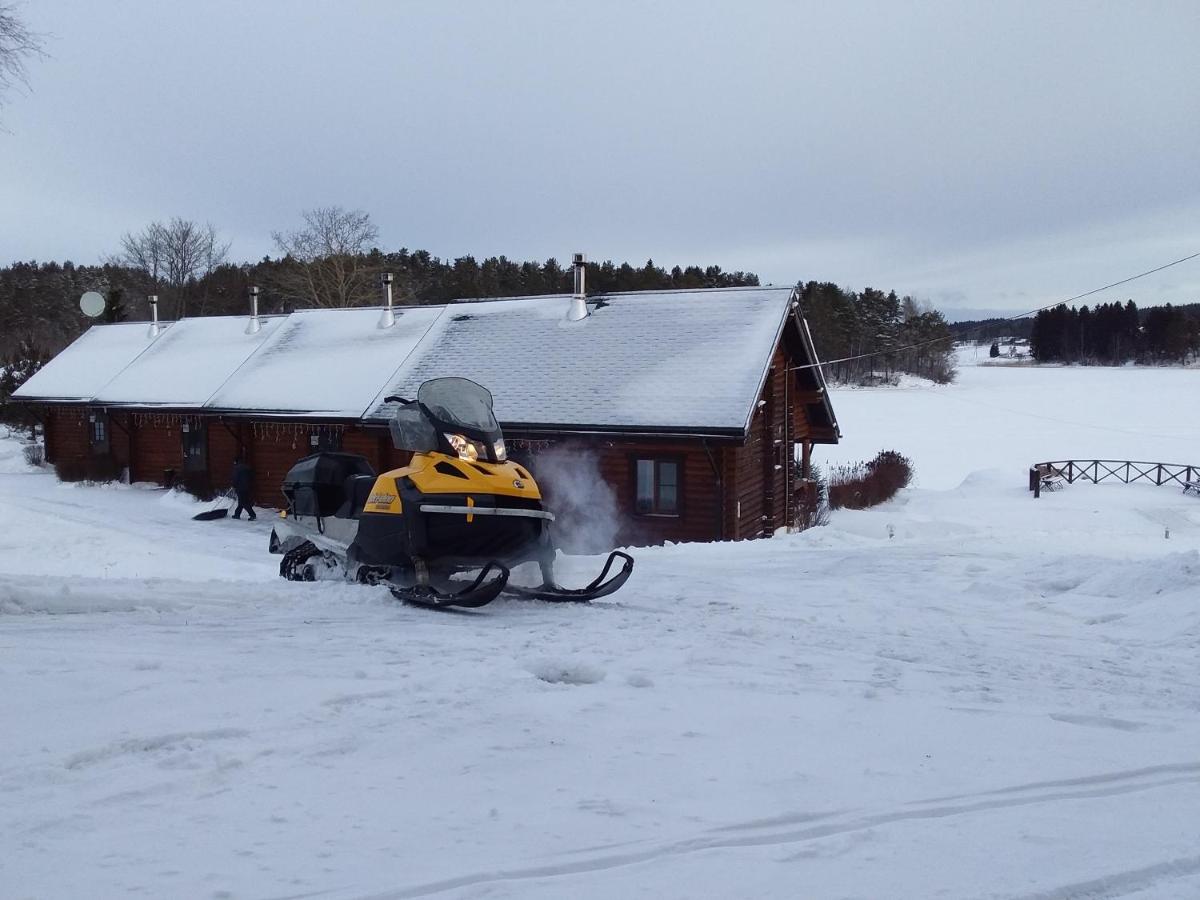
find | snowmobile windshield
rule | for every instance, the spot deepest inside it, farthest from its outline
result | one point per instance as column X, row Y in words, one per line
column 459, row 403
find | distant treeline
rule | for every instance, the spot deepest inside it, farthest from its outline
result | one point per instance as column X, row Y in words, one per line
column 1115, row 333
column 39, row 301
column 991, row 329
column 883, row 334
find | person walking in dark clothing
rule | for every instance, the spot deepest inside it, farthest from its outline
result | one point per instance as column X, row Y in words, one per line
column 243, row 486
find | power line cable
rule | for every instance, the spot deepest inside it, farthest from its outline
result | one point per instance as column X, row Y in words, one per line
column 1023, row 315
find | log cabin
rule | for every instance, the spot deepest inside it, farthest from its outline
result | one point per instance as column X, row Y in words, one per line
column 696, row 409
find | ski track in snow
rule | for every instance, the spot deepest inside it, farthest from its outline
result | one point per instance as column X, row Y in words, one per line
column 1000, row 700
column 1123, row 884
column 1114, row 787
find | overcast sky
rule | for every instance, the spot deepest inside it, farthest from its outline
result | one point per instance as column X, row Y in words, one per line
column 979, row 155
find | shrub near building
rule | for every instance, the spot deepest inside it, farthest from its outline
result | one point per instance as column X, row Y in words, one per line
column 865, row 484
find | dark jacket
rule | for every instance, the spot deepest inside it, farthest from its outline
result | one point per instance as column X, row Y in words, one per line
column 243, row 478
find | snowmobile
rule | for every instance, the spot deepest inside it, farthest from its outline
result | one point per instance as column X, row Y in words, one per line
column 460, row 505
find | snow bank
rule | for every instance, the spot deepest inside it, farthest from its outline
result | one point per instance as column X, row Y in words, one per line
column 12, row 452
column 70, row 595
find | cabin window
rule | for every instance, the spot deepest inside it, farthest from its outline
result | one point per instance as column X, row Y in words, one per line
column 98, row 432
column 657, row 487
column 195, row 447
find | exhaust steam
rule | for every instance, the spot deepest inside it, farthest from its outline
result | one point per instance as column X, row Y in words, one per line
column 586, row 516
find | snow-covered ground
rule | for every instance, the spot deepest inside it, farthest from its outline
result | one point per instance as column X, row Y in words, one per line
column 1025, row 414
column 1000, row 700
column 1013, row 352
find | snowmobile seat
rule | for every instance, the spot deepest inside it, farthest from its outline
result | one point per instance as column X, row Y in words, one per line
column 356, row 489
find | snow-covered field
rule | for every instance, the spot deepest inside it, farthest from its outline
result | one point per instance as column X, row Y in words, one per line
column 1002, row 699
column 1025, row 414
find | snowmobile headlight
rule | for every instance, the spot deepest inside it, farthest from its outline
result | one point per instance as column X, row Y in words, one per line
column 501, row 452
column 465, row 447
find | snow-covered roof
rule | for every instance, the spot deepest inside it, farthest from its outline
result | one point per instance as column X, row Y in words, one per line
column 325, row 362
column 80, row 371
column 187, row 363
column 691, row 361
column 661, row 360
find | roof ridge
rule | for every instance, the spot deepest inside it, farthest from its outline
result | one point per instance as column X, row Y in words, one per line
column 458, row 301
column 606, row 294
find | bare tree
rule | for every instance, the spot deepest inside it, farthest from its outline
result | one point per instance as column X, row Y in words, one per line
column 17, row 45
column 329, row 264
column 192, row 251
column 145, row 251
column 173, row 256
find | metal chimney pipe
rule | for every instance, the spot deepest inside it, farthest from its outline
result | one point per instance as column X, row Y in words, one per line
column 388, row 319
column 153, row 298
column 254, row 326
column 579, row 308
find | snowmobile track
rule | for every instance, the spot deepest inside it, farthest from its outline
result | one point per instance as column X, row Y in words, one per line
column 1120, row 884
column 1109, row 785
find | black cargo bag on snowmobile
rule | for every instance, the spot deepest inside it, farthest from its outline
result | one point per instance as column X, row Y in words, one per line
column 316, row 485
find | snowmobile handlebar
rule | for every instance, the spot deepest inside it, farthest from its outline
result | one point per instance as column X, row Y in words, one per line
column 396, row 399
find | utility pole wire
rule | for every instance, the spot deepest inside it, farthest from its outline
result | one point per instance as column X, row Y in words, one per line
column 831, row 362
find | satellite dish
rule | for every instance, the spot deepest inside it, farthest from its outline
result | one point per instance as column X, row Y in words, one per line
column 92, row 304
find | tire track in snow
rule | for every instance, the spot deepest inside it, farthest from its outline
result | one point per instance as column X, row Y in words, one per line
column 1119, row 884
column 1083, row 780
column 724, row 838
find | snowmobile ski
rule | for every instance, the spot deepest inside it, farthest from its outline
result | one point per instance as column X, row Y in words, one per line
column 597, row 588
column 477, row 593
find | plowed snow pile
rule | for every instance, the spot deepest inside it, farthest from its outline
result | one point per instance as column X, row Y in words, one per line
column 1000, row 699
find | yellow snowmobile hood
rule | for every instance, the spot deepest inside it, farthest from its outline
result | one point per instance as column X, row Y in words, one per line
column 439, row 473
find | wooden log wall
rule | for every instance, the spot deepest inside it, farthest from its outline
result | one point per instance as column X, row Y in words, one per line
column 366, row 443
column 226, row 440
column 274, row 447
column 120, row 438
column 763, row 475
column 66, row 433
column 760, row 474
column 157, row 447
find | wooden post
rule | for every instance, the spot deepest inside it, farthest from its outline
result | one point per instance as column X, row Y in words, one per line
column 1071, row 472
column 1035, row 482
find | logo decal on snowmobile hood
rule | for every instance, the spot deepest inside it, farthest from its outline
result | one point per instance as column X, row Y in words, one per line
column 384, row 502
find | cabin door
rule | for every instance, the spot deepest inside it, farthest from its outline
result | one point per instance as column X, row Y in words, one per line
column 195, row 448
